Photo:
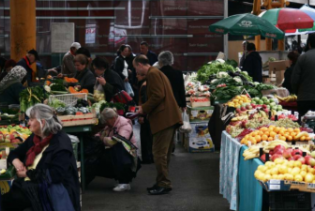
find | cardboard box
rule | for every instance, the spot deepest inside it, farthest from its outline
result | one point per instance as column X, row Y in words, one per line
column 283, row 185
column 200, row 113
column 199, row 139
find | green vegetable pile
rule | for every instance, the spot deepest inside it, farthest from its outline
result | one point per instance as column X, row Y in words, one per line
column 31, row 96
column 219, row 72
column 55, row 103
column 211, row 69
column 58, row 86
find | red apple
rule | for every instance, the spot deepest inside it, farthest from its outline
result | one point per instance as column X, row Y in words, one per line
column 263, row 158
column 302, row 160
column 290, row 158
column 264, row 106
column 275, row 156
column 287, row 153
column 297, row 157
column 297, row 151
column 279, row 149
column 307, row 159
column 271, row 152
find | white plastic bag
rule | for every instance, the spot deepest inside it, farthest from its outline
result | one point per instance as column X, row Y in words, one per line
column 128, row 89
column 185, row 128
column 136, row 133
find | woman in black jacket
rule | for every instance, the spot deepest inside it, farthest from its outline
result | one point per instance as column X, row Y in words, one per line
column 293, row 57
column 47, row 149
column 85, row 77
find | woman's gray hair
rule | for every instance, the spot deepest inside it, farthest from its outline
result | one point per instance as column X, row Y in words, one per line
column 108, row 113
column 166, row 58
column 44, row 112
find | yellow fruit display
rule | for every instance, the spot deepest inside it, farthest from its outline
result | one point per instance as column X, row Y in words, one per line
column 290, row 171
column 238, row 101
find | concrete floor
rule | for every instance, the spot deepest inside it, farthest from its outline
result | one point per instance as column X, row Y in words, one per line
column 195, row 180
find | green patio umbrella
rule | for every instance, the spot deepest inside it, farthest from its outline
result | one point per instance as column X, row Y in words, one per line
column 246, row 24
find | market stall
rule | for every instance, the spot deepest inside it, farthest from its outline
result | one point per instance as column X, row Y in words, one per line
column 78, row 111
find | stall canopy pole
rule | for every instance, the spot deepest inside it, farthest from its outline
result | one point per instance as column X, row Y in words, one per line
column 23, row 28
column 256, row 11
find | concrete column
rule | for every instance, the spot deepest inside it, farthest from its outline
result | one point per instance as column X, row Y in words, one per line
column 23, row 27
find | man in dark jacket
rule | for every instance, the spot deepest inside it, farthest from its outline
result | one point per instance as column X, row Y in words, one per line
column 166, row 60
column 26, row 62
column 303, row 77
column 107, row 78
column 144, row 49
column 253, row 64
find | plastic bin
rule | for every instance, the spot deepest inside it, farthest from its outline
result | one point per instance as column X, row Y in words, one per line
column 290, row 201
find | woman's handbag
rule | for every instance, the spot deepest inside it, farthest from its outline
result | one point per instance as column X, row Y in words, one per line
column 58, row 195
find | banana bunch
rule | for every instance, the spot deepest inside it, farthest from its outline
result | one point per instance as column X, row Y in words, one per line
column 272, row 144
column 290, row 98
column 251, row 153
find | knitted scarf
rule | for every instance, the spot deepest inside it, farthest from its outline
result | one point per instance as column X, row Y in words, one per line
column 36, row 149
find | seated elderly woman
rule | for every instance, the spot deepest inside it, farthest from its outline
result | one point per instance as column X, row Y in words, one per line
column 48, row 149
column 115, row 162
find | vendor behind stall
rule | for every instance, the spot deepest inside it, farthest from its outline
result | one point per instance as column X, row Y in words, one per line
column 293, row 57
column 85, row 77
column 11, row 86
column 252, row 63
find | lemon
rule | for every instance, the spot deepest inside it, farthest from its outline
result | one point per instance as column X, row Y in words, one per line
column 297, row 163
column 298, row 178
column 262, row 168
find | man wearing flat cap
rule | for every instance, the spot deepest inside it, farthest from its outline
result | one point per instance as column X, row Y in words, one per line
column 67, row 67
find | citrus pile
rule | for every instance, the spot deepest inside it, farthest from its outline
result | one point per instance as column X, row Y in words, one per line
column 272, row 133
column 282, row 169
column 238, row 101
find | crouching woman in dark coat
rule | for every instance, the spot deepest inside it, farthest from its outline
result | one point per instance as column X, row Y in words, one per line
column 48, row 149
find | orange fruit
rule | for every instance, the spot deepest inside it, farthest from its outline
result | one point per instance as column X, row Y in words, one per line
column 276, row 129
column 260, row 133
column 297, row 130
column 282, row 138
column 289, row 138
column 293, row 134
column 258, row 138
column 263, row 129
column 266, row 133
column 302, row 138
column 264, row 137
column 290, row 130
column 270, row 139
column 273, row 134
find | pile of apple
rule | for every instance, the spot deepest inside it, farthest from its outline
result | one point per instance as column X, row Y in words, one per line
column 269, row 103
column 290, row 154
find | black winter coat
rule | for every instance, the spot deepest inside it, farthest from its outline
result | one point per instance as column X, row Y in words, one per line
column 253, row 65
column 177, row 83
column 59, row 159
column 113, row 84
column 287, row 78
column 11, row 95
column 86, row 79
column 119, row 65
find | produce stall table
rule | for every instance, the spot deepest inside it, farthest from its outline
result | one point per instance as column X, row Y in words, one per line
column 237, row 182
column 79, row 130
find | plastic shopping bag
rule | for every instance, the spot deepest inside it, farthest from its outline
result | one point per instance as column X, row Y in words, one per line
column 185, row 128
column 136, row 133
column 128, row 89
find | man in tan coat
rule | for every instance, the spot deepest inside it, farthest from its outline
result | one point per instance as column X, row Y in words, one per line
column 164, row 117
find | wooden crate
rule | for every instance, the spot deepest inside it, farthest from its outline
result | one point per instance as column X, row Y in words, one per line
column 76, row 120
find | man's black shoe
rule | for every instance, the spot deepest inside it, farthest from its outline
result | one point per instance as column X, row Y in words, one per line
column 154, row 186
column 159, row 191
